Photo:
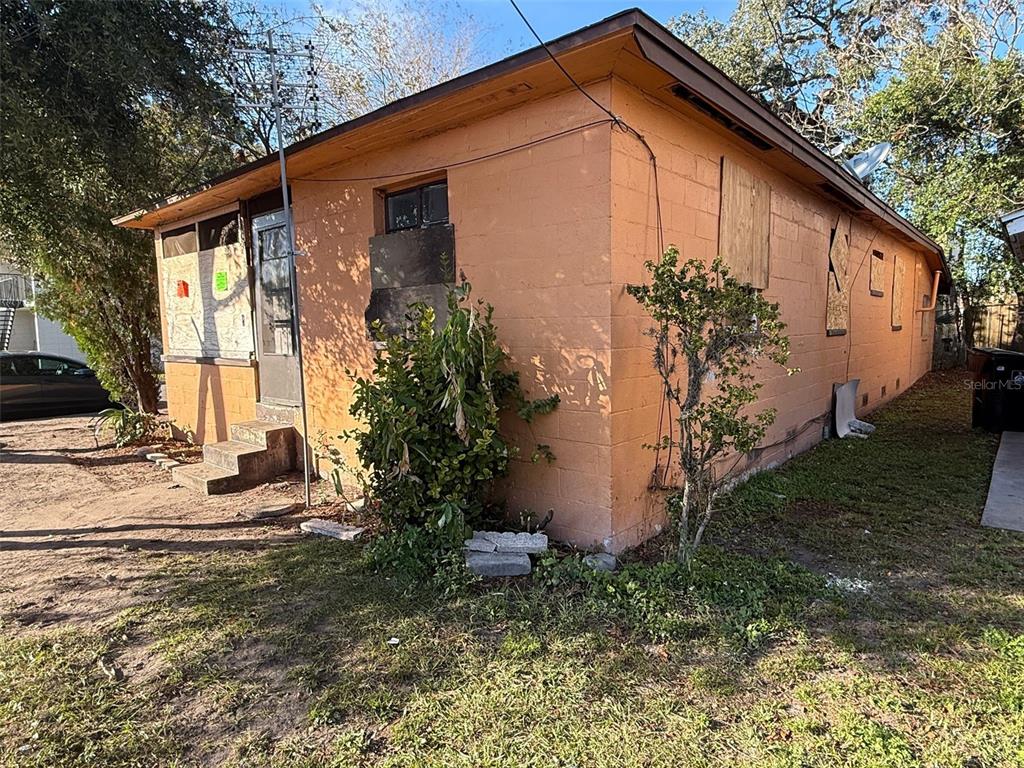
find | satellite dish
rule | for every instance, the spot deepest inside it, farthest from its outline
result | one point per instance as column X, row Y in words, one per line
column 864, row 164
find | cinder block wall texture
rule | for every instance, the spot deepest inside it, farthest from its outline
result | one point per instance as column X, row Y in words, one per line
column 532, row 235
column 551, row 235
column 207, row 399
column 689, row 155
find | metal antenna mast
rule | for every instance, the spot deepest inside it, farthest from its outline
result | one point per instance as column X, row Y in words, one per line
column 277, row 105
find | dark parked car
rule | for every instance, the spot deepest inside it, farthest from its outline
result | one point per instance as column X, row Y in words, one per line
column 36, row 384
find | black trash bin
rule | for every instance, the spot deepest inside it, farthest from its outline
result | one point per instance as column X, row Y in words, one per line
column 998, row 389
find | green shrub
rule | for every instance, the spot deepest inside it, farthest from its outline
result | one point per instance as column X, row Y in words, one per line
column 129, row 427
column 431, row 446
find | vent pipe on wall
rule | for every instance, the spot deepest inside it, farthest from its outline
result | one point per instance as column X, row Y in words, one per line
column 935, row 293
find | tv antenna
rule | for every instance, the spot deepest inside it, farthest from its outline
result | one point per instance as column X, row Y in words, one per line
column 280, row 79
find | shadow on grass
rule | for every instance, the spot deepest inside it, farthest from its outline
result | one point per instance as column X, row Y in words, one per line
column 899, row 512
column 253, row 650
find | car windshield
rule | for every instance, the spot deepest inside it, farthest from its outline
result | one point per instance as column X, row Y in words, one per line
column 49, row 365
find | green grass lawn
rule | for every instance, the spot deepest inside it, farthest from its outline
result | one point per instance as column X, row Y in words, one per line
column 849, row 612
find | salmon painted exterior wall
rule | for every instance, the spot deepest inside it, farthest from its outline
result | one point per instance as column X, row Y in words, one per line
column 551, row 235
column 207, row 399
column 689, row 155
column 532, row 235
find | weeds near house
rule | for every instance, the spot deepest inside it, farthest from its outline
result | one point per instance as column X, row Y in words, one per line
column 740, row 600
column 129, row 427
column 749, row 659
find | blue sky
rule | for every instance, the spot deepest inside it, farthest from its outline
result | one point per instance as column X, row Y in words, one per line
column 505, row 33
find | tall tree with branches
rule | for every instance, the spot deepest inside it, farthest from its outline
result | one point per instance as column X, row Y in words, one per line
column 955, row 116
column 940, row 79
column 105, row 103
column 359, row 59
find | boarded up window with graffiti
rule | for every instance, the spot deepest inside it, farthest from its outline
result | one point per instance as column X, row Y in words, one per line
column 205, row 284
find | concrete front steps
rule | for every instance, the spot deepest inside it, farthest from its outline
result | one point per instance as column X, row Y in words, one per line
column 257, row 451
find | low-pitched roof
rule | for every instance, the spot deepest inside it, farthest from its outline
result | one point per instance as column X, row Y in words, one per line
column 503, row 84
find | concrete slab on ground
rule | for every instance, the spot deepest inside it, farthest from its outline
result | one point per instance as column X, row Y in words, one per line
column 1004, row 507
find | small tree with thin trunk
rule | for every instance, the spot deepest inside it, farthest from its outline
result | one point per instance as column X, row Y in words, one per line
column 711, row 331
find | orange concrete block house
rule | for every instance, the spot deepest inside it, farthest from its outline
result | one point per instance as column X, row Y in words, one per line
column 513, row 176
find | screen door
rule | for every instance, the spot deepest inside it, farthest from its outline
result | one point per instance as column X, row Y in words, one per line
column 278, row 364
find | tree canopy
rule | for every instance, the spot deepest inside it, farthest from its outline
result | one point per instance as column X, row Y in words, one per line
column 110, row 103
column 104, row 106
column 940, row 80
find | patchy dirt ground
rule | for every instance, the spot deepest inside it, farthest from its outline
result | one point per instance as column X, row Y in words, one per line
column 843, row 615
column 81, row 525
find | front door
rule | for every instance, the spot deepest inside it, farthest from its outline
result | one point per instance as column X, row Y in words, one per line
column 275, row 342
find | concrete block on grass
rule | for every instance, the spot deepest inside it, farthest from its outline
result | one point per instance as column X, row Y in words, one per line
column 270, row 509
column 496, row 564
column 522, row 543
column 601, row 561
column 332, row 529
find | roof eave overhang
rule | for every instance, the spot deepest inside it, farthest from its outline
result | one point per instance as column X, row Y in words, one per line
column 693, row 72
column 620, row 24
column 662, row 49
column 1013, row 230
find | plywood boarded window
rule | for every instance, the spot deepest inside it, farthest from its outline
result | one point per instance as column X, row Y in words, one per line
column 207, row 304
column 877, row 273
column 745, row 224
column 898, row 272
column 837, row 308
column 410, row 266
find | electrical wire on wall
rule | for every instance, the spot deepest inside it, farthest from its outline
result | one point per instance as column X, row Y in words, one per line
column 665, row 404
column 457, row 164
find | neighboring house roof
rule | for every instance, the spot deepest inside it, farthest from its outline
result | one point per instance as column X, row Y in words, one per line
column 1013, row 228
column 588, row 53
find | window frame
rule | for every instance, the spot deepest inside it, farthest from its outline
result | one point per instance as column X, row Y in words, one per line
column 196, row 230
column 421, row 223
column 224, row 223
column 876, row 268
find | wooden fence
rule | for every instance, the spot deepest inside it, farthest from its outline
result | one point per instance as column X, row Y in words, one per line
column 996, row 325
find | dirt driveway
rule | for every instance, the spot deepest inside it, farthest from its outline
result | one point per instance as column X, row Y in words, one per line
column 81, row 526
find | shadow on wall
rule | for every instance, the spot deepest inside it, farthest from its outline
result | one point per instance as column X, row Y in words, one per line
column 546, row 271
column 334, row 223
column 331, row 222
column 211, row 404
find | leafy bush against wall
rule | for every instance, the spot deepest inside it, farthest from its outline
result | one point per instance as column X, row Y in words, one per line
column 431, row 444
